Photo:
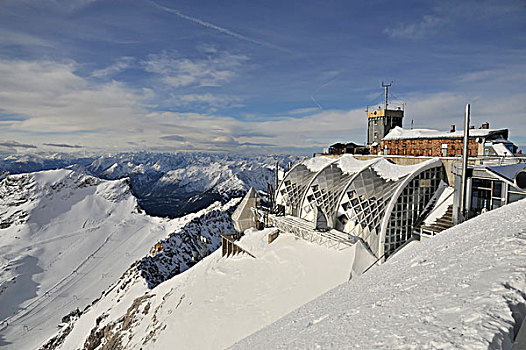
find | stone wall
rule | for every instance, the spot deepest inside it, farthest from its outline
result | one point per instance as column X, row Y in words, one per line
column 428, row 147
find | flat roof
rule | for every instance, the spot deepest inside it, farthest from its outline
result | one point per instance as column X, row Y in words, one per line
column 398, row 133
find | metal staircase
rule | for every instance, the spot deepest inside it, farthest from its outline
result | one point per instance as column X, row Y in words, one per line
column 441, row 224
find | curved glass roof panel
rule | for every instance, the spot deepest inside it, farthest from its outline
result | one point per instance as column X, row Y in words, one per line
column 363, row 204
column 292, row 188
column 326, row 187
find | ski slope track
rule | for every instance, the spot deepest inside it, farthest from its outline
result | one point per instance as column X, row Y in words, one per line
column 463, row 289
column 66, row 237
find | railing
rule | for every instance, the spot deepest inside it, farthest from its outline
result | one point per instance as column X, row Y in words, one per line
column 305, row 230
column 229, row 246
column 500, row 160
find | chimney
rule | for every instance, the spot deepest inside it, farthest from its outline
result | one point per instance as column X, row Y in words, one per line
column 452, row 129
column 485, row 125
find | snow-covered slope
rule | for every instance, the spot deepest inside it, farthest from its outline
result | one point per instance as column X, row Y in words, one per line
column 65, row 238
column 217, row 302
column 463, row 289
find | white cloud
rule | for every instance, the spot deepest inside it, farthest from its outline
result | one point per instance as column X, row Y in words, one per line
column 317, row 130
column 51, row 97
column 418, row 30
column 439, row 111
column 9, row 37
column 48, row 102
column 302, row 111
column 220, row 29
column 15, row 144
column 120, row 65
column 209, row 102
column 218, row 69
column 511, row 72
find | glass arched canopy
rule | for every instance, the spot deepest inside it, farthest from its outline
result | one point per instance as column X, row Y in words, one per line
column 291, row 190
column 374, row 199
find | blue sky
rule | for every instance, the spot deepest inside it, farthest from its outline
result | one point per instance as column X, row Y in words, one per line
column 273, row 76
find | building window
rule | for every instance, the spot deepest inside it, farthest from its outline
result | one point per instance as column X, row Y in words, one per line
column 444, row 150
column 514, row 194
column 487, row 194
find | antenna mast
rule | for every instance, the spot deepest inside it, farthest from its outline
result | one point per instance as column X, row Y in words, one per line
column 386, row 86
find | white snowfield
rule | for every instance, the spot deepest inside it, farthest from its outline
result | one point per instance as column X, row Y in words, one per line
column 463, row 289
column 65, row 238
column 218, row 301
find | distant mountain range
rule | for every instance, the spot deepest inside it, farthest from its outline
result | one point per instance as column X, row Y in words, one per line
column 166, row 184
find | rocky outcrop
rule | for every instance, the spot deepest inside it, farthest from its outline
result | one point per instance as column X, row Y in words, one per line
column 184, row 248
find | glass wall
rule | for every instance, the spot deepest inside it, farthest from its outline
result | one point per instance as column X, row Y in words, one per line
column 486, row 195
column 515, row 194
column 409, row 207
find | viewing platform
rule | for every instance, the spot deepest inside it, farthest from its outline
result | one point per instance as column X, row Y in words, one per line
column 305, row 230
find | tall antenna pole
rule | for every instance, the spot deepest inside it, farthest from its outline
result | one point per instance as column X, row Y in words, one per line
column 386, row 86
column 463, row 209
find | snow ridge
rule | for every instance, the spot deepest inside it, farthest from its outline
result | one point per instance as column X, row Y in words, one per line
column 104, row 321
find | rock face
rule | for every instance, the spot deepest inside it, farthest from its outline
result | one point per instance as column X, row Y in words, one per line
column 15, row 191
column 185, row 247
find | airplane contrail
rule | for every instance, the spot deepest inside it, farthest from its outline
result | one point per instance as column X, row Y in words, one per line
column 319, row 88
column 218, row 28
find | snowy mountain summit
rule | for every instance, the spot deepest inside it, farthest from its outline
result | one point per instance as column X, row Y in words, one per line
column 68, row 237
column 167, row 184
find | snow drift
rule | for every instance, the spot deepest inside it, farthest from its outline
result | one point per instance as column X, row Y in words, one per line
column 463, row 289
